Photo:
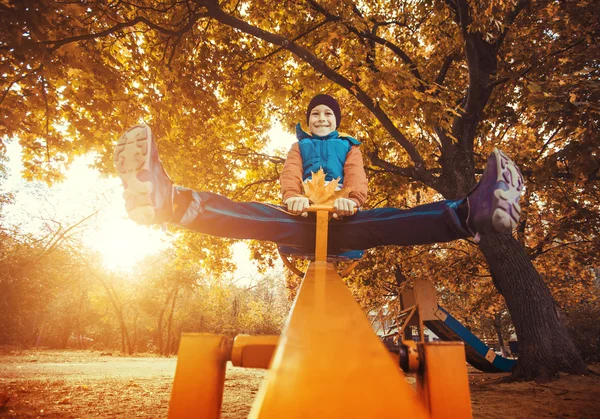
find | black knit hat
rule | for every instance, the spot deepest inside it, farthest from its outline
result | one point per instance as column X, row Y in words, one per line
column 327, row 101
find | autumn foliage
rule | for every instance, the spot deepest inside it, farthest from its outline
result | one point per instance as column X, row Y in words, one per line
column 429, row 87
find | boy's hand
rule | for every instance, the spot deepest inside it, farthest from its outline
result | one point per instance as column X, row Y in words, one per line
column 297, row 205
column 343, row 206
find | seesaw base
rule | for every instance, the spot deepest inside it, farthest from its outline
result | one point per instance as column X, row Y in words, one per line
column 328, row 363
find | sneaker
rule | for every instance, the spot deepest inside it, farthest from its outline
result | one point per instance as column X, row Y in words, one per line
column 148, row 189
column 493, row 205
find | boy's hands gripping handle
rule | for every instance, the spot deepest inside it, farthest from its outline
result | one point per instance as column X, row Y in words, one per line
column 343, row 206
column 297, row 205
column 333, row 209
column 300, row 205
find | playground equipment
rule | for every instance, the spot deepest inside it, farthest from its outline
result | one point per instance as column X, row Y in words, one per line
column 288, row 253
column 418, row 307
column 327, row 363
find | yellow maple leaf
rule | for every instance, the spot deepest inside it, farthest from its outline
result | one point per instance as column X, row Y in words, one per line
column 321, row 193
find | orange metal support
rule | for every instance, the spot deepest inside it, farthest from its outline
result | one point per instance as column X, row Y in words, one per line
column 329, row 360
column 328, row 363
column 322, row 234
column 253, row 351
column 442, row 380
column 200, row 376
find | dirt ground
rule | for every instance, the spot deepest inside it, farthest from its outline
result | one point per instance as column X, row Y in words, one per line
column 79, row 384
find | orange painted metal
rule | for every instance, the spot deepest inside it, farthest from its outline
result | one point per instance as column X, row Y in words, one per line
column 442, row 380
column 412, row 352
column 322, row 233
column 253, row 351
column 200, row 376
column 329, row 363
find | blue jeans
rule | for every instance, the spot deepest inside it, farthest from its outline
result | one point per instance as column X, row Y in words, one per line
column 213, row 214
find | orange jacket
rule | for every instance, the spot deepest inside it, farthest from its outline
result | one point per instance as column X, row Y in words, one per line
column 355, row 177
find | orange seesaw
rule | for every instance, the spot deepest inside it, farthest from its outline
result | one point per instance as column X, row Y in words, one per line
column 327, row 363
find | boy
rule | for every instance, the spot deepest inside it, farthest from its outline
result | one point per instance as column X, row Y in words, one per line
column 491, row 207
column 338, row 154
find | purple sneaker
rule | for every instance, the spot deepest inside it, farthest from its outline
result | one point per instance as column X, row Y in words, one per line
column 148, row 189
column 494, row 202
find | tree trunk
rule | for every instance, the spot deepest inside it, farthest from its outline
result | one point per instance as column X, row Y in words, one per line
column 122, row 341
column 496, row 322
column 159, row 330
column 134, row 344
column 170, row 322
column 78, row 328
column 114, row 300
column 544, row 344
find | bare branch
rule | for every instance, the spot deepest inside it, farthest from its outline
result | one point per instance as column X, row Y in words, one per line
column 540, row 251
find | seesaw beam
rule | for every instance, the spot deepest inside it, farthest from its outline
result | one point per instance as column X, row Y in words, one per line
column 328, row 363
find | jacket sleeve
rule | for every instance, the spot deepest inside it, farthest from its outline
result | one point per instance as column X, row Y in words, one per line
column 291, row 175
column 355, row 177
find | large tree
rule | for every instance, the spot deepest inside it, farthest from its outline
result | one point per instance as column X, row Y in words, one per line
column 429, row 86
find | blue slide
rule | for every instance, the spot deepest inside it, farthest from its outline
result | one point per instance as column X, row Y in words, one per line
column 478, row 353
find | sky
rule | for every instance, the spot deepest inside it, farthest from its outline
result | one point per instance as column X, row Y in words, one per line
column 119, row 240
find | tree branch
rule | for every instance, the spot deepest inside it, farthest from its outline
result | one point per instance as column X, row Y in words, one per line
column 248, row 186
column 538, row 63
column 538, row 250
column 509, row 21
column 12, row 83
column 294, row 39
column 409, row 172
column 446, row 67
column 547, row 143
column 322, row 67
column 373, row 37
column 56, row 44
column 452, row 5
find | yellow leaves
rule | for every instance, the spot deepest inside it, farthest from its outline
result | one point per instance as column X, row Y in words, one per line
column 534, row 87
column 452, row 137
column 419, row 96
column 263, row 79
column 432, row 89
column 332, row 40
column 386, row 91
column 320, row 192
column 453, row 111
column 572, row 97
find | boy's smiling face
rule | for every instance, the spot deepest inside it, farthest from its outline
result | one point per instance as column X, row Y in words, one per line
column 321, row 120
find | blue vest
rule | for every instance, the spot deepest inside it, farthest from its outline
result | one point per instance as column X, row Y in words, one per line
column 328, row 152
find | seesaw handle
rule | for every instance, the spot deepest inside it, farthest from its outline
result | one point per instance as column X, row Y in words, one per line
column 320, row 207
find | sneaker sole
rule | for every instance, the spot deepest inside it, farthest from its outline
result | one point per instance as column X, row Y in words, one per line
column 132, row 157
column 509, row 186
